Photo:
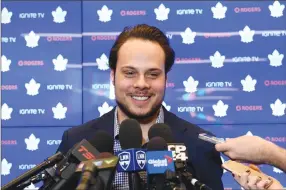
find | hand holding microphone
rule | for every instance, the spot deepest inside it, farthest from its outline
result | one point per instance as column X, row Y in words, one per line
column 245, row 148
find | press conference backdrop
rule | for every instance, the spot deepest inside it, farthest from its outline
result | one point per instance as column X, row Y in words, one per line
column 229, row 75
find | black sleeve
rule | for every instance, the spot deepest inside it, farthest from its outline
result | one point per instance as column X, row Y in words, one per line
column 206, row 162
column 209, row 170
column 63, row 147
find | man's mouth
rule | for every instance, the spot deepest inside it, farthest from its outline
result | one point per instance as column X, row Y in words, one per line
column 141, row 98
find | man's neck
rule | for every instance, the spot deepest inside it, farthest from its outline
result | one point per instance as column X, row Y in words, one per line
column 144, row 124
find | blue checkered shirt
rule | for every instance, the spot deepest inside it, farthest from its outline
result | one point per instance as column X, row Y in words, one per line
column 121, row 178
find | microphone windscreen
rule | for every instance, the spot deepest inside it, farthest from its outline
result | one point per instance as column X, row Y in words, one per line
column 130, row 134
column 102, row 141
column 157, row 144
column 161, row 130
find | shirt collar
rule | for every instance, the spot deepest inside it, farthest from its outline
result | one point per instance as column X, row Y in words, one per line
column 160, row 119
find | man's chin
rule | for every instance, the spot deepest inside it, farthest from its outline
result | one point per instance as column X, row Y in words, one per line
column 140, row 114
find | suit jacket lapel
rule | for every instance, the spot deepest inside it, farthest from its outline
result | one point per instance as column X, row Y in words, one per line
column 170, row 119
column 106, row 122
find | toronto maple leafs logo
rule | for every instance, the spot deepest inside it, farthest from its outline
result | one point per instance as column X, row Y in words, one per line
column 141, row 158
column 124, row 160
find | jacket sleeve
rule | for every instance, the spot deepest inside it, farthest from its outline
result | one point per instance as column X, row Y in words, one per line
column 218, row 170
column 63, row 147
column 208, row 169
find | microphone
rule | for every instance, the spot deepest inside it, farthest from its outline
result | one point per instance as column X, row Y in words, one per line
column 82, row 152
column 102, row 170
column 107, row 168
column 79, row 151
column 179, row 154
column 131, row 158
column 189, row 181
column 159, row 162
column 22, row 178
column 179, row 150
column 88, row 172
column 161, row 130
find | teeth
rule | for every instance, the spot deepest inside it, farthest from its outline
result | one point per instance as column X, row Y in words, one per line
column 140, row 97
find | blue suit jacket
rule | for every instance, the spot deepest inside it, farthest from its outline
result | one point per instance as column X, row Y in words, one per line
column 204, row 161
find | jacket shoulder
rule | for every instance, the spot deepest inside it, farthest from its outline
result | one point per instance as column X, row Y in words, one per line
column 184, row 126
column 86, row 131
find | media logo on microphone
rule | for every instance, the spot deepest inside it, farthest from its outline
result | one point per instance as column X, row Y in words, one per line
column 131, row 160
column 141, row 158
column 124, row 160
column 159, row 162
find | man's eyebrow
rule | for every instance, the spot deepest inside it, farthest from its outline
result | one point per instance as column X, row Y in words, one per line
column 127, row 67
column 149, row 70
column 155, row 69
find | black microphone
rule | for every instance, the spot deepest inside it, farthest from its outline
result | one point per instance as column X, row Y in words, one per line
column 52, row 175
column 180, row 156
column 82, row 152
column 40, row 167
column 130, row 137
column 189, row 181
column 161, row 130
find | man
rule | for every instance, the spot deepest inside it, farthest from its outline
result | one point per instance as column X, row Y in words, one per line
column 139, row 61
column 256, row 150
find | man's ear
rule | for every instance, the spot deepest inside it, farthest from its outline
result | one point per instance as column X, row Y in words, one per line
column 112, row 76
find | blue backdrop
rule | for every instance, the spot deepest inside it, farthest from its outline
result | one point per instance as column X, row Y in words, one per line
column 229, row 76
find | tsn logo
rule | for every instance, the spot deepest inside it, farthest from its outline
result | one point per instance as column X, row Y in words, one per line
column 85, row 153
column 179, row 151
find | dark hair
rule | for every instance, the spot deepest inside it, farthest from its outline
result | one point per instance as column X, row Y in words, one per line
column 145, row 32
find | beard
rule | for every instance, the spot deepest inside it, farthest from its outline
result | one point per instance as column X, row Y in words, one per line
column 140, row 117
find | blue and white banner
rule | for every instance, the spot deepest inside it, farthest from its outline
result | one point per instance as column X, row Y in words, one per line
column 229, row 75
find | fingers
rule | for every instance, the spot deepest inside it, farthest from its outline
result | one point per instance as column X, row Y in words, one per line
column 248, row 182
column 243, row 180
column 252, row 182
column 262, row 184
column 221, row 147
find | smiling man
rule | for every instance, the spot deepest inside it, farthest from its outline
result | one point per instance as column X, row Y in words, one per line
column 139, row 61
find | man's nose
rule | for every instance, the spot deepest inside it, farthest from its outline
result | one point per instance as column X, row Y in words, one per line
column 141, row 82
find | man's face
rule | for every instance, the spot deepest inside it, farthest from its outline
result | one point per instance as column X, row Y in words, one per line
column 139, row 78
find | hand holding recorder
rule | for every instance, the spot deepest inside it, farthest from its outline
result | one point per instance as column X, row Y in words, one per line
column 255, row 150
column 246, row 148
column 248, row 180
